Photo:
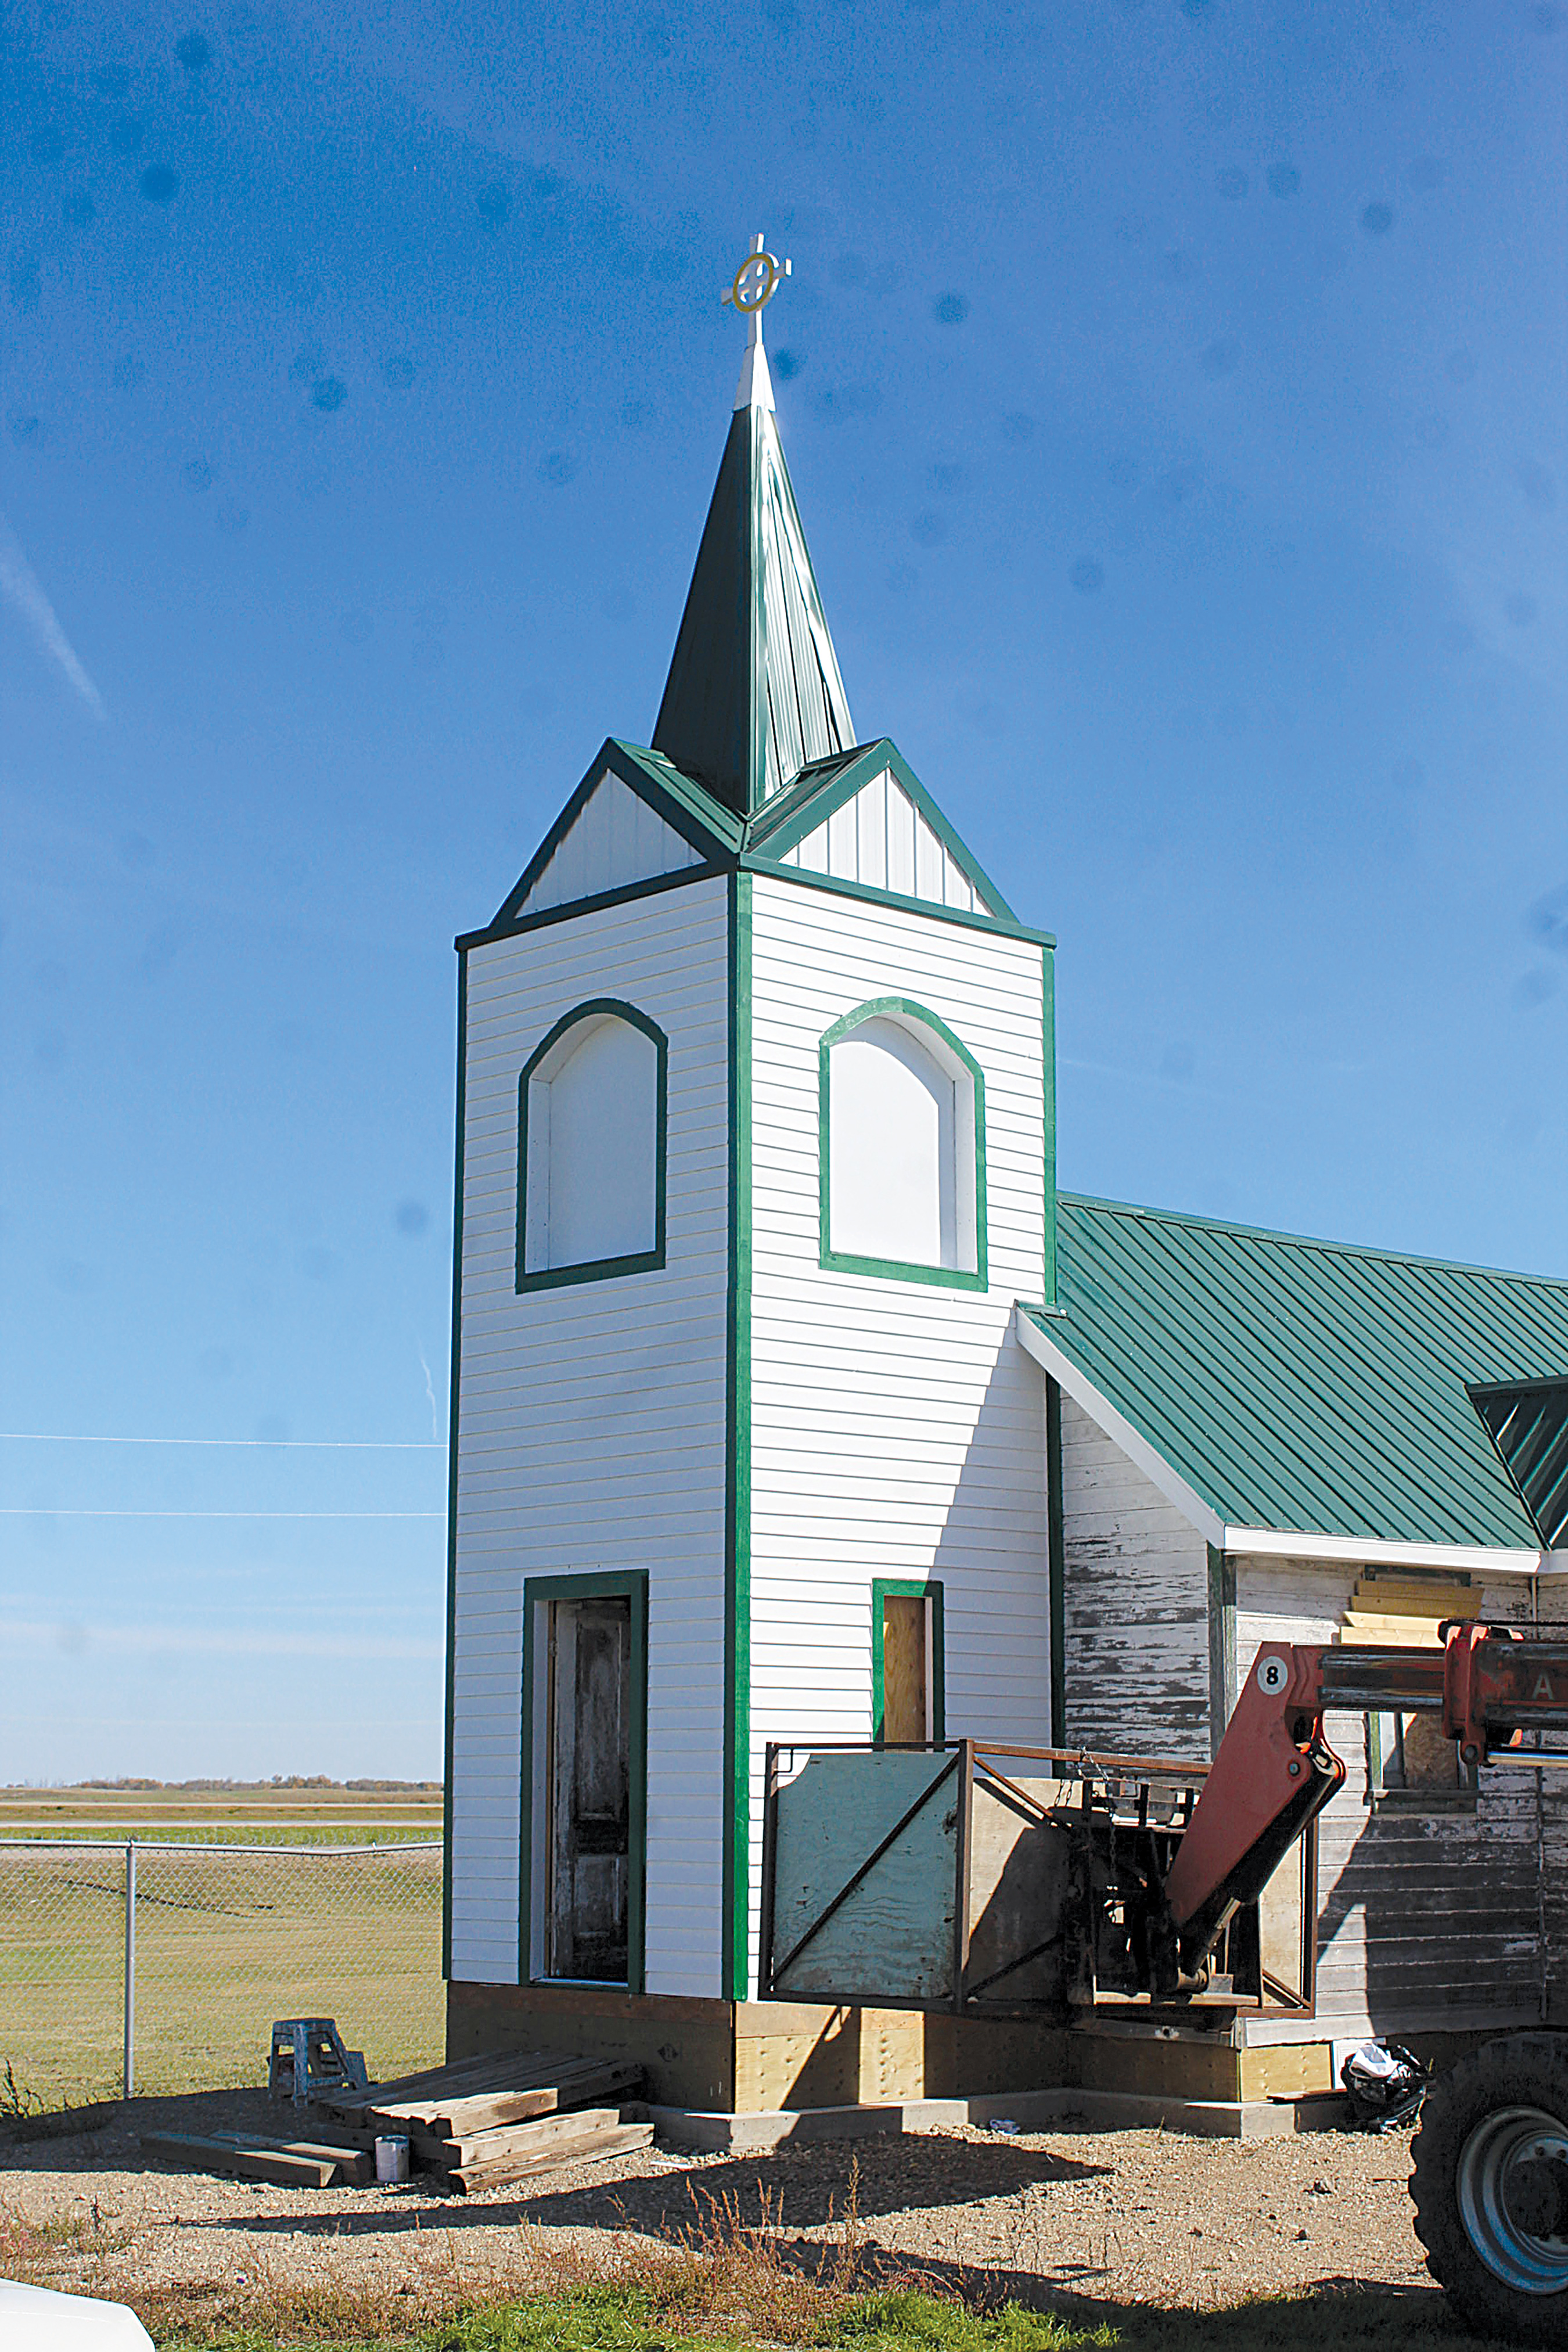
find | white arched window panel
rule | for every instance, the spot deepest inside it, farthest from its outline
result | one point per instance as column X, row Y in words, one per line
column 591, row 1138
column 902, row 1147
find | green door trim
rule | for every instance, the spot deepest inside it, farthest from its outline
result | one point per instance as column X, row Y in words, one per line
column 629, row 1583
column 904, row 1587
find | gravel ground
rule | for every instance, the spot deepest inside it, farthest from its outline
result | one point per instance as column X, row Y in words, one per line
column 1112, row 2217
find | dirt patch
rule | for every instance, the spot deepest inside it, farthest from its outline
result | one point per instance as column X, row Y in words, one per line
column 1118, row 2217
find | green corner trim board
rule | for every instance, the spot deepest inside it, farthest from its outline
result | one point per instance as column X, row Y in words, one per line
column 736, row 1919
column 1305, row 1385
column 948, row 1277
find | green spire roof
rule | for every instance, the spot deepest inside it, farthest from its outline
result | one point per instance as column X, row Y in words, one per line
column 753, row 694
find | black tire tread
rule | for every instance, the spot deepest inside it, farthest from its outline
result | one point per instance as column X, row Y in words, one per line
column 1529, row 2069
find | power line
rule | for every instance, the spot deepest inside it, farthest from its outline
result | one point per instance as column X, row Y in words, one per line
column 335, row 1445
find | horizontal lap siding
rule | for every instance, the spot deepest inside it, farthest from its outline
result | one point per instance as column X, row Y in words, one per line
column 1422, row 1917
column 591, row 1427
column 1135, row 1606
column 897, row 1429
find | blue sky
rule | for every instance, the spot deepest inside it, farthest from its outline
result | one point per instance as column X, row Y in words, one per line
column 1174, row 395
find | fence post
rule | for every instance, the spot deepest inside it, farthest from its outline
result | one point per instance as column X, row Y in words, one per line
column 130, row 2076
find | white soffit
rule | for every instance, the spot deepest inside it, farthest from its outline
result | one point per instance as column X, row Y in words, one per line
column 615, row 838
column 879, row 837
column 1267, row 1543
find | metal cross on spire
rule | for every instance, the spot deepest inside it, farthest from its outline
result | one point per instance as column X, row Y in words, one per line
column 751, row 290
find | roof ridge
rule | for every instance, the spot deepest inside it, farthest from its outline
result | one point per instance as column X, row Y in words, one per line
column 1308, row 1241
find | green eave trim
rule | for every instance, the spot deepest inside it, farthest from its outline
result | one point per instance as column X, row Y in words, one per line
column 812, row 798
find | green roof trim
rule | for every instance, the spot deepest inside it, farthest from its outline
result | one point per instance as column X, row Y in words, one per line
column 1304, row 1385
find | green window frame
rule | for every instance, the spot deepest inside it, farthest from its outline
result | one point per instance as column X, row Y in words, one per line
column 602, row 1269
column 904, row 1588
column 946, row 1277
column 538, row 1592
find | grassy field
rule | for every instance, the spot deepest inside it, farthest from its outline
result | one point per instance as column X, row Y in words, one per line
column 207, row 1812
column 226, row 1941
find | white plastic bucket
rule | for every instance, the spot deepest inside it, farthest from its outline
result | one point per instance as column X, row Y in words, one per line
column 392, row 2157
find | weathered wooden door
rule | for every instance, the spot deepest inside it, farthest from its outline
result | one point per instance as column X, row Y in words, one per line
column 590, row 1793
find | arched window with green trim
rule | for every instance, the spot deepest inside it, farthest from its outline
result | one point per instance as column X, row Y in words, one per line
column 901, row 1148
column 591, row 1121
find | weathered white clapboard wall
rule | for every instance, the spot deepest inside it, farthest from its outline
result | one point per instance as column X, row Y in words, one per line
column 1135, row 1606
column 879, row 836
column 615, row 838
column 592, row 1426
column 897, row 1428
column 1424, row 1919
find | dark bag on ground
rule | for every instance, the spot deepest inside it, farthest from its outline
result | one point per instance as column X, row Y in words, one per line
column 1385, row 2083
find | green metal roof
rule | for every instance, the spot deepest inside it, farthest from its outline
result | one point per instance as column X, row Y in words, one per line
column 1306, row 1385
column 753, row 694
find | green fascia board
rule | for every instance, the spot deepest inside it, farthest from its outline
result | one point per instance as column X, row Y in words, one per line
column 454, row 1378
column 694, row 813
column 1304, row 1385
column 775, row 830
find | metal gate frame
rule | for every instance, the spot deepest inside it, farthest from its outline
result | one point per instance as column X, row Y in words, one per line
column 968, row 1758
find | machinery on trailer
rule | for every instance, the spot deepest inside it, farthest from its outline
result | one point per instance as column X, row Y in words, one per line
column 934, row 1877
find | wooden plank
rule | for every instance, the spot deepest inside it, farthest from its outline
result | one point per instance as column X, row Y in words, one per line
column 355, row 2166
column 573, row 2083
column 591, row 2148
column 450, row 2151
column 192, row 2153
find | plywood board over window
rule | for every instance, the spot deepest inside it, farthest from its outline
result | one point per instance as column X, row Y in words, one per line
column 908, row 1672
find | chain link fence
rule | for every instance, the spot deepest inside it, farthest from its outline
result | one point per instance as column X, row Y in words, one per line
column 161, row 1966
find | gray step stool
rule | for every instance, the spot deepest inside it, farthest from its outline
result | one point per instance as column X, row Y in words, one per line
column 308, row 2055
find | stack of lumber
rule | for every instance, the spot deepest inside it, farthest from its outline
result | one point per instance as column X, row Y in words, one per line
column 510, row 2116
column 291, row 2163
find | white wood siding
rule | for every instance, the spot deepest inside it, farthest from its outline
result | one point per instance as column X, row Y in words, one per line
column 880, row 837
column 1424, row 1919
column 615, row 838
column 897, row 1428
column 1135, row 1606
column 592, row 1426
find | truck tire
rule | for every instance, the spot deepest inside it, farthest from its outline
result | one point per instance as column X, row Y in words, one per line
column 1491, row 2186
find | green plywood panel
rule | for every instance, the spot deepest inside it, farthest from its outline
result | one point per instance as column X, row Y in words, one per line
column 1300, row 1384
column 891, row 1939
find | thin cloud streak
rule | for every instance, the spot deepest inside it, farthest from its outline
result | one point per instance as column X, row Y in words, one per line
column 20, row 585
